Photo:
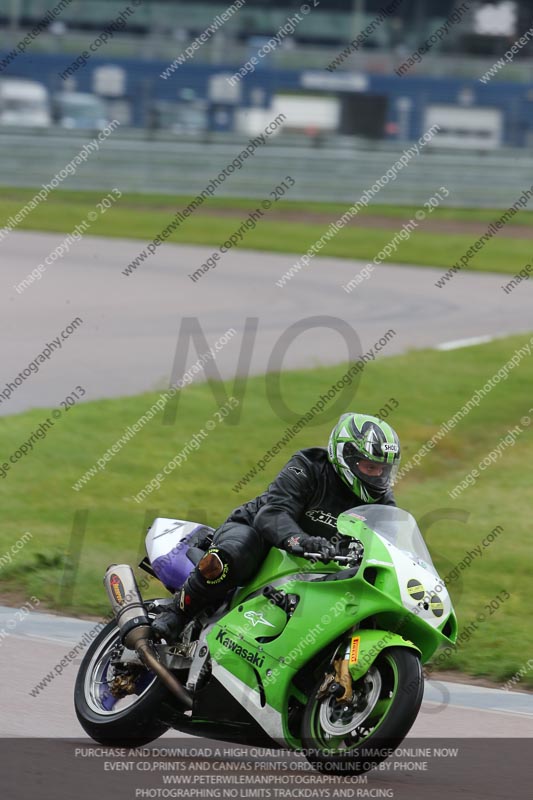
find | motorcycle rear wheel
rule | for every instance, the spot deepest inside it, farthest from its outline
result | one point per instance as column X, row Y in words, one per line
column 135, row 721
column 343, row 738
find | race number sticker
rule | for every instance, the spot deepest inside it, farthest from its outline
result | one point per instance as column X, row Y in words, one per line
column 354, row 650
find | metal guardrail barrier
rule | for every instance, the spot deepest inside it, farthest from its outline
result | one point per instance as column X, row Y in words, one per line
column 329, row 173
column 225, row 52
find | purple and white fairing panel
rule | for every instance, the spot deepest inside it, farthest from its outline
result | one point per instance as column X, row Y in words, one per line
column 167, row 542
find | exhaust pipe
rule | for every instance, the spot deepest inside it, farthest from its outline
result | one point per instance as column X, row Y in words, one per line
column 135, row 628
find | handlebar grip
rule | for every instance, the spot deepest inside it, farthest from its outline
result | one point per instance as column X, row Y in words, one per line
column 319, row 555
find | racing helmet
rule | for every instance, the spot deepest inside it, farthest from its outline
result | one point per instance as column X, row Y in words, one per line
column 365, row 453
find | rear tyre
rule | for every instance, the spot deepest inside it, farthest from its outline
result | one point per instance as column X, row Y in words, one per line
column 130, row 720
column 349, row 738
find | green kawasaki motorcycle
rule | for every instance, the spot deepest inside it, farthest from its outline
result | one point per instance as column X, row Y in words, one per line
column 324, row 658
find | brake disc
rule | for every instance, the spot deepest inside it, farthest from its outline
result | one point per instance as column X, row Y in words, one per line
column 339, row 718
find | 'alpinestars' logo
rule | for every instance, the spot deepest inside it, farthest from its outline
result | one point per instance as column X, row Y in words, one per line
column 257, row 618
column 296, row 470
column 294, row 541
column 322, row 516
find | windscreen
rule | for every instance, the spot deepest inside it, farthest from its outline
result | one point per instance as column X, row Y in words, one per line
column 399, row 527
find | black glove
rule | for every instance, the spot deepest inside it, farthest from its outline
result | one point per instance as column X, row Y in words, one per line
column 301, row 543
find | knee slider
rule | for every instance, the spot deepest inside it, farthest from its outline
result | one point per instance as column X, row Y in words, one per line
column 214, row 566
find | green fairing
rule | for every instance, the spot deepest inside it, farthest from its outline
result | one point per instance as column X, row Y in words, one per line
column 370, row 646
column 327, row 612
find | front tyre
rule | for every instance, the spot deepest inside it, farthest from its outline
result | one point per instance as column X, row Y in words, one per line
column 349, row 738
column 117, row 705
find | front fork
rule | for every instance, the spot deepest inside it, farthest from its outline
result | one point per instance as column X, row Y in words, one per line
column 338, row 682
column 354, row 657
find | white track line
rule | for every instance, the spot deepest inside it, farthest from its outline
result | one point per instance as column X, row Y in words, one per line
column 455, row 345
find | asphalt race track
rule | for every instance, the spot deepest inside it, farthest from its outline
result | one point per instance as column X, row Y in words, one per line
column 41, row 640
column 127, row 342
column 452, row 715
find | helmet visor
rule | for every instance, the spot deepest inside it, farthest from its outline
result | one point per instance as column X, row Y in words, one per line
column 373, row 473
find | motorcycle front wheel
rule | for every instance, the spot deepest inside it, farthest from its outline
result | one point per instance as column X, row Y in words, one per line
column 351, row 737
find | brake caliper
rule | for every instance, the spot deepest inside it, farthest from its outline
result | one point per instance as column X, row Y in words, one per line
column 123, row 683
column 125, row 676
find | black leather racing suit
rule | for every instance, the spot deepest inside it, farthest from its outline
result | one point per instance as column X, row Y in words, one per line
column 307, row 496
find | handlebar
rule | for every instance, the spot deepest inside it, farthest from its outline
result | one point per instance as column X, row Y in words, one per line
column 339, row 559
column 355, row 554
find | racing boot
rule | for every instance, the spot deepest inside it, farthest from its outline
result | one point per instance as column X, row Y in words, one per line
column 201, row 589
column 169, row 624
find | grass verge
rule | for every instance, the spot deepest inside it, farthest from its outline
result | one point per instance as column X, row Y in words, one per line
column 144, row 216
column 63, row 562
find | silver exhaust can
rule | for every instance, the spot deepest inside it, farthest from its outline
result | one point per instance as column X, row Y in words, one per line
column 127, row 603
column 134, row 626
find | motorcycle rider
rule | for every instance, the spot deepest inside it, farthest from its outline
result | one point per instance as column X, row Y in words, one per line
column 297, row 513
